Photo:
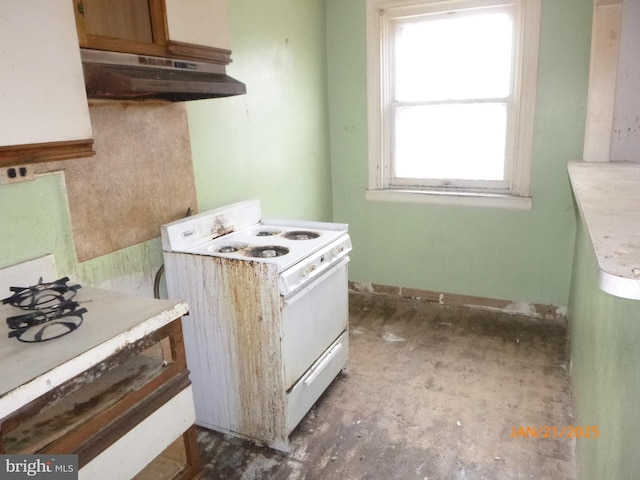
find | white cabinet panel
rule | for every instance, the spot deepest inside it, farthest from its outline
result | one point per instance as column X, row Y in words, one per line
column 625, row 141
column 42, row 95
column 201, row 22
column 605, row 39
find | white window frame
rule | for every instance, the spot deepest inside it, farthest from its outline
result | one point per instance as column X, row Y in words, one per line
column 526, row 38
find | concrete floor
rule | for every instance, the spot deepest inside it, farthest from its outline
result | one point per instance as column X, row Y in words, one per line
column 433, row 392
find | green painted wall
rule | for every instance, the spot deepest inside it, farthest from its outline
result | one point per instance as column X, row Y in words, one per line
column 604, row 332
column 522, row 256
column 35, row 222
column 272, row 143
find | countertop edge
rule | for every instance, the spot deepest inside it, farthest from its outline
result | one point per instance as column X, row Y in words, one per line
column 55, row 377
column 607, row 224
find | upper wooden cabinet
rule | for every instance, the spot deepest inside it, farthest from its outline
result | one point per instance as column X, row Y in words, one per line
column 44, row 108
column 196, row 30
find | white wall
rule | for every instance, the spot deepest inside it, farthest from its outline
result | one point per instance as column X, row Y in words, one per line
column 625, row 141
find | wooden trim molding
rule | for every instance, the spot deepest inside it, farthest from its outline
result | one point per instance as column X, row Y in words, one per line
column 13, row 155
column 199, row 52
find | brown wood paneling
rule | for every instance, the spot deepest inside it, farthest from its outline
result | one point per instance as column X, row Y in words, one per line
column 199, row 52
column 126, row 19
column 133, row 27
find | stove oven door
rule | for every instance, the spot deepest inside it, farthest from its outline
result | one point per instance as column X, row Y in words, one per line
column 314, row 318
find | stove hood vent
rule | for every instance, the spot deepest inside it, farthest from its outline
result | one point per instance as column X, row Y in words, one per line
column 124, row 76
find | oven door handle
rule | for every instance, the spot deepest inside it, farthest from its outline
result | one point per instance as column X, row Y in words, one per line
column 321, row 365
column 322, row 276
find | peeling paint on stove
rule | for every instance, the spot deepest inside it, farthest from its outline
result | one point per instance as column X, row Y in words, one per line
column 256, row 348
column 235, row 317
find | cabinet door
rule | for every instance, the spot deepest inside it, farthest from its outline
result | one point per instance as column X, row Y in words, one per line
column 131, row 26
column 200, row 22
column 126, row 19
column 42, row 95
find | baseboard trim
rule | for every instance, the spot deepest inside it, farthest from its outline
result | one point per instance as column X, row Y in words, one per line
column 534, row 310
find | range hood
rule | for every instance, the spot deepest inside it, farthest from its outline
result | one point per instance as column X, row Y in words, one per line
column 124, row 76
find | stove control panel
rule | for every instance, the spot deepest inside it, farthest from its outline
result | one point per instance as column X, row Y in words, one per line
column 303, row 273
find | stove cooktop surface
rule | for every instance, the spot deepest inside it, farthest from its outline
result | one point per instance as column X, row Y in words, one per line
column 282, row 243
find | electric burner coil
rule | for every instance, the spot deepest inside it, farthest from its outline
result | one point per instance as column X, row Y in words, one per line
column 301, row 235
column 267, row 251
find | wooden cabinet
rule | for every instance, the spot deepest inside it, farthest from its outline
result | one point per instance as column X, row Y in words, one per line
column 196, row 30
column 44, row 108
column 125, row 406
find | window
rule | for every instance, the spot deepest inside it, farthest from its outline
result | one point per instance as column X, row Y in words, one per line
column 451, row 96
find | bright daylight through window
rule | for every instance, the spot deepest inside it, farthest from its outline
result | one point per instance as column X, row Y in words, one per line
column 451, row 95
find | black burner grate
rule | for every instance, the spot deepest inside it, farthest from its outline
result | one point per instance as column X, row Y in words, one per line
column 52, row 313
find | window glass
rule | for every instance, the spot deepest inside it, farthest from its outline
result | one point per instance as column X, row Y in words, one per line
column 453, row 56
column 465, row 141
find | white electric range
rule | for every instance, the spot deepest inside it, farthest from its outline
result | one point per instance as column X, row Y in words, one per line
column 269, row 308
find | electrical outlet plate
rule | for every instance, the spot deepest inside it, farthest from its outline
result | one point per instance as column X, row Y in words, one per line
column 16, row 174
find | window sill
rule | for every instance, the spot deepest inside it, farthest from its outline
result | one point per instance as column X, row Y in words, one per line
column 451, row 198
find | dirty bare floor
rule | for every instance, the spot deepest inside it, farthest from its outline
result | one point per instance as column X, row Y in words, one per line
column 433, row 392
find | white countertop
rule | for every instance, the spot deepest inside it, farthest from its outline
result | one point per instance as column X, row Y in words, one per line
column 608, row 196
column 112, row 321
